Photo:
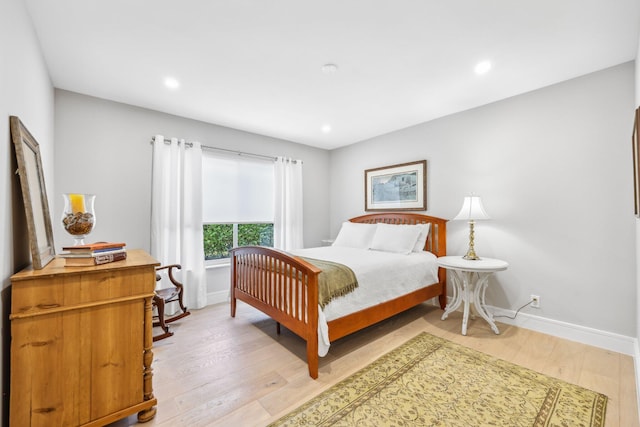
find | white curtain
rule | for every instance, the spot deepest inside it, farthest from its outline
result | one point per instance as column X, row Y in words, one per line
column 287, row 226
column 176, row 214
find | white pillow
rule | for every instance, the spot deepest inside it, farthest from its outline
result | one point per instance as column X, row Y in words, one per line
column 395, row 238
column 355, row 235
column 422, row 237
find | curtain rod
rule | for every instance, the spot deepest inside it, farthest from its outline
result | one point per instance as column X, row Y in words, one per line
column 224, row 150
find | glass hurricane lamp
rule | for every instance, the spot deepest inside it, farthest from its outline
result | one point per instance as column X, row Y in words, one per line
column 78, row 217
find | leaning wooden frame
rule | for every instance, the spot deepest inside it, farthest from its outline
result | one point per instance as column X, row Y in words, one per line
column 34, row 194
column 285, row 287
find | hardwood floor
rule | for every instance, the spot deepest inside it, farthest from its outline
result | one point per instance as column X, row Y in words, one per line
column 223, row 371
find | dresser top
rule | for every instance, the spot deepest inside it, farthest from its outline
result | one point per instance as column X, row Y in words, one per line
column 135, row 258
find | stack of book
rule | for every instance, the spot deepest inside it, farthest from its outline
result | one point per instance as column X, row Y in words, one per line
column 93, row 254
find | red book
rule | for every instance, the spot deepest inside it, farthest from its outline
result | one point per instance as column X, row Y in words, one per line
column 94, row 247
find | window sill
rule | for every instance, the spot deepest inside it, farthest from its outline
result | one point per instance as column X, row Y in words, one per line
column 216, row 266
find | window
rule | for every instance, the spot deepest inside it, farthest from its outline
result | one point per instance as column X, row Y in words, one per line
column 220, row 238
column 237, row 203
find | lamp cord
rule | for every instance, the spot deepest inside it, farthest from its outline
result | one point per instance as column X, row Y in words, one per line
column 517, row 311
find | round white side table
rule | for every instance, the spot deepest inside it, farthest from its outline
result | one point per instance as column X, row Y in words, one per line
column 470, row 280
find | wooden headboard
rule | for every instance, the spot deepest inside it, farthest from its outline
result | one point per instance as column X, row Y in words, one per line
column 437, row 240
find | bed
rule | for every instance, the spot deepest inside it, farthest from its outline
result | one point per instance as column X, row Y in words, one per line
column 285, row 286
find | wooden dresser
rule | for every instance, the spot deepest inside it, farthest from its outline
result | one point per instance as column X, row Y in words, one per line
column 81, row 342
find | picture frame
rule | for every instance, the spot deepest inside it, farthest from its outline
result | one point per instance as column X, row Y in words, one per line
column 401, row 187
column 34, row 194
column 635, row 147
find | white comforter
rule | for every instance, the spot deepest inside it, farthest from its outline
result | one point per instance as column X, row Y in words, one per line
column 381, row 276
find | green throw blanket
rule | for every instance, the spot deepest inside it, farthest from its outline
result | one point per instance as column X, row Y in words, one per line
column 334, row 281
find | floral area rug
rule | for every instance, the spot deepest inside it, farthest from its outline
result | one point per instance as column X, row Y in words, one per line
column 430, row 381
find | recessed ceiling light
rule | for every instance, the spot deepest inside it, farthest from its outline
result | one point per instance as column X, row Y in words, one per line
column 171, row 83
column 326, row 128
column 329, row 68
column 482, row 67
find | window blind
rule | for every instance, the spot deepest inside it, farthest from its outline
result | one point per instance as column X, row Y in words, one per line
column 236, row 189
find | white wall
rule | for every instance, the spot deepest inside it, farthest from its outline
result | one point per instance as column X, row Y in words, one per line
column 26, row 92
column 103, row 147
column 554, row 171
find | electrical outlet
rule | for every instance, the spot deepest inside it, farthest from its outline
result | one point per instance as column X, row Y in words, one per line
column 535, row 301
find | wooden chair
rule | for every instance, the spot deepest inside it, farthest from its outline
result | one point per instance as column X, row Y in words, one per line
column 165, row 296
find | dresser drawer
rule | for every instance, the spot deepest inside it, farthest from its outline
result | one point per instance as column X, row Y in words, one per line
column 49, row 294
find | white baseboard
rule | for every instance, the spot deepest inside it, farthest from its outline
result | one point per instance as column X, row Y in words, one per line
column 217, row 297
column 595, row 337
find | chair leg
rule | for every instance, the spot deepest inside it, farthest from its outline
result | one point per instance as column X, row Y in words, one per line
column 160, row 305
column 184, row 313
column 184, row 309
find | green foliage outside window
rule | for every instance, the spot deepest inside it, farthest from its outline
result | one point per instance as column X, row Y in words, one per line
column 255, row 234
column 218, row 238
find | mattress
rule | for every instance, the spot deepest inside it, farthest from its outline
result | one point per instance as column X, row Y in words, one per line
column 382, row 276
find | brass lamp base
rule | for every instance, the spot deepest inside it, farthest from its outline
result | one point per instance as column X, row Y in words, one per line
column 471, row 252
column 471, row 255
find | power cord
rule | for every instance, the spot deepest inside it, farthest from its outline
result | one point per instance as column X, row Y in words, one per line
column 517, row 311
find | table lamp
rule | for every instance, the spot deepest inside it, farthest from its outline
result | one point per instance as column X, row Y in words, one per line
column 471, row 210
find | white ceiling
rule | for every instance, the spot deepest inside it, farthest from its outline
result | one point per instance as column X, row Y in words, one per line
column 256, row 65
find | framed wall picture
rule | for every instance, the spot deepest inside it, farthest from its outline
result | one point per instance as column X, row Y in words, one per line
column 636, row 161
column 400, row 187
column 34, row 194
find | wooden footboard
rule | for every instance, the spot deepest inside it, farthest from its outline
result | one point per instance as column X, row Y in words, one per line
column 282, row 286
column 285, row 287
